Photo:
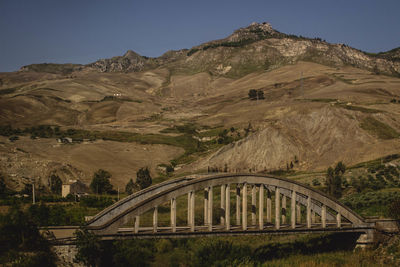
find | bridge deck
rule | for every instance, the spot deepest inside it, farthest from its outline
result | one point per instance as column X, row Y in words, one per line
column 65, row 236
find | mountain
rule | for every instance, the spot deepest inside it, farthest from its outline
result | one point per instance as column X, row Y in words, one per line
column 256, row 47
column 393, row 54
column 322, row 103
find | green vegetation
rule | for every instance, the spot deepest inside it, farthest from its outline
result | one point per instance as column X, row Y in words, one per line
column 89, row 248
column 373, row 203
column 334, row 180
column 20, row 241
column 53, row 68
column 219, row 251
column 323, row 100
column 143, row 178
column 101, row 182
column 371, row 193
column 256, row 94
column 55, row 184
column 376, row 163
column 379, row 129
column 131, row 187
column 361, row 109
column 394, row 209
column 116, row 98
column 7, row 91
column 3, row 187
column 192, row 51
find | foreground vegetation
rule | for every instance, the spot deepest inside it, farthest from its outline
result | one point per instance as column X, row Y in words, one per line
column 375, row 192
column 303, row 250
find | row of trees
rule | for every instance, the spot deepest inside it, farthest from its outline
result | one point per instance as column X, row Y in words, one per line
column 101, row 182
column 143, row 180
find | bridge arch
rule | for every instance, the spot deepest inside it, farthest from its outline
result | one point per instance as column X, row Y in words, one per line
column 130, row 208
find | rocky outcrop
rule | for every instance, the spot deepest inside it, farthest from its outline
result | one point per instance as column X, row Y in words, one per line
column 131, row 61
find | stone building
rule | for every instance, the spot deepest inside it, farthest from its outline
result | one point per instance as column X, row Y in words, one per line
column 74, row 187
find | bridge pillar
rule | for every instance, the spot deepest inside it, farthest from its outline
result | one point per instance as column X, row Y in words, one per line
column 277, row 208
column 223, row 205
column 323, row 216
column 188, row 210
column 210, row 208
column 192, row 198
column 283, row 209
column 293, row 209
column 313, row 216
column 206, row 206
column 253, row 204
column 339, row 220
column 261, row 207
column 269, row 207
column 308, row 212
column 228, row 207
column 137, row 219
column 173, row 214
column 244, row 208
column 298, row 213
column 155, row 219
column 238, row 203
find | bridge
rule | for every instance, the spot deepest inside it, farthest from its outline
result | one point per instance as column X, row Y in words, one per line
column 278, row 206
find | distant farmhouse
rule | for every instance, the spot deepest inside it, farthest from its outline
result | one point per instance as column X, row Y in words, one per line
column 74, row 187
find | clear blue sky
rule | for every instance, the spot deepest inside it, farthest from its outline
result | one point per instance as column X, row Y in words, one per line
column 82, row 31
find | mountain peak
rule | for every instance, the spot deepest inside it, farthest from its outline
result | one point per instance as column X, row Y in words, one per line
column 254, row 31
column 131, row 55
column 265, row 26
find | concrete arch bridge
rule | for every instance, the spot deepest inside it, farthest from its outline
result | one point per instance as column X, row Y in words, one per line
column 231, row 204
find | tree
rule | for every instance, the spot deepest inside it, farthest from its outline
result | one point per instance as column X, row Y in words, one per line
column 253, row 94
column 89, row 248
column 21, row 243
column 55, row 184
column 256, row 94
column 394, row 209
column 143, row 178
column 260, row 94
column 130, row 187
column 101, row 182
column 334, row 180
column 3, row 187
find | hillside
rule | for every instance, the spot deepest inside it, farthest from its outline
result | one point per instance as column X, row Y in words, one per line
column 323, row 103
